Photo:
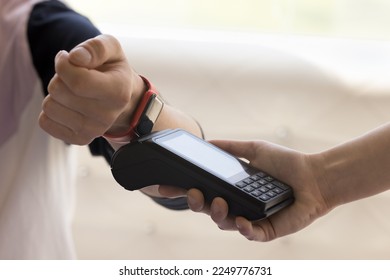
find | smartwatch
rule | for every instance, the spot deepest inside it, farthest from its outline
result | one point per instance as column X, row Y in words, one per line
column 144, row 117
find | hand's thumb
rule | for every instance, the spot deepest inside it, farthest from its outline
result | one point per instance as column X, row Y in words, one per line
column 96, row 52
column 80, row 56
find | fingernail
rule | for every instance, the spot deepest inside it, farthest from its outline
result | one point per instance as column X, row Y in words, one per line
column 81, row 56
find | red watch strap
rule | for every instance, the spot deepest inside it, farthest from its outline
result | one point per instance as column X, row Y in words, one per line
column 125, row 137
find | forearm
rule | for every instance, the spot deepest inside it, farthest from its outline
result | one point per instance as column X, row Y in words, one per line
column 171, row 117
column 356, row 169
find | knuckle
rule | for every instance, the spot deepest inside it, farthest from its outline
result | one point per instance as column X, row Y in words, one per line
column 61, row 62
column 46, row 104
column 56, row 89
column 53, row 84
column 43, row 121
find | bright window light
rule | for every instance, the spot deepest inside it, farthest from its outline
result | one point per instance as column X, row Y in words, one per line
column 364, row 19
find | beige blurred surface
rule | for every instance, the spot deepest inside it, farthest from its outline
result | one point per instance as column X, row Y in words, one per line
column 305, row 93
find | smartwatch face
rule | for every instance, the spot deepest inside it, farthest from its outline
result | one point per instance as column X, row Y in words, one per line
column 204, row 155
column 150, row 114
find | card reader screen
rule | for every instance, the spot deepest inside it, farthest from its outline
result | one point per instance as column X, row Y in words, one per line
column 202, row 154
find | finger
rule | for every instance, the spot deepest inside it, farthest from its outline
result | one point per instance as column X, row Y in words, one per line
column 97, row 51
column 151, row 191
column 164, row 191
column 171, row 191
column 219, row 214
column 246, row 228
column 218, row 210
column 60, row 131
column 262, row 231
column 62, row 115
column 196, row 201
column 62, row 94
column 99, row 112
column 61, row 121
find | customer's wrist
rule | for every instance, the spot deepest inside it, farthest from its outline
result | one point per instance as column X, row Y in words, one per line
column 141, row 118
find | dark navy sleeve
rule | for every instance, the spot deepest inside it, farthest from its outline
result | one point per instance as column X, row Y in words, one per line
column 52, row 27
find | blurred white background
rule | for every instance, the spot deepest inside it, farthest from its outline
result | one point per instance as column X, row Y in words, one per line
column 305, row 74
